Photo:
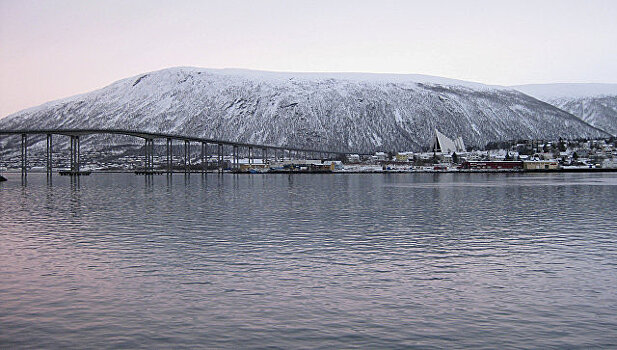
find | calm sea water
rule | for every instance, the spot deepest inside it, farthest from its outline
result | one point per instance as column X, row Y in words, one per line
column 309, row 261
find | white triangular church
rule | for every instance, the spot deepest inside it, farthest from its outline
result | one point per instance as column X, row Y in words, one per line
column 441, row 143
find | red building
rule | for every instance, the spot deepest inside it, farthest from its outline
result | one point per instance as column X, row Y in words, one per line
column 493, row 165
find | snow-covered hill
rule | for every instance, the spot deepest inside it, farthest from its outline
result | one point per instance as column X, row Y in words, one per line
column 596, row 104
column 343, row 111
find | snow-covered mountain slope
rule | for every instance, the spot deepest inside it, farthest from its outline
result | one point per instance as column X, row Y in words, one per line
column 598, row 111
column 596, row 104
column 344, row 111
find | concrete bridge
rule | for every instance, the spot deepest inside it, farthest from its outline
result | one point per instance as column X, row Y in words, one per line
column 277, row 152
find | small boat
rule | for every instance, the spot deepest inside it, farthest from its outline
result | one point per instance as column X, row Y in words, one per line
column 2, row 178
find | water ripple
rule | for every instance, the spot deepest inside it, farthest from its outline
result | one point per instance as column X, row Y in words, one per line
column 316, row 261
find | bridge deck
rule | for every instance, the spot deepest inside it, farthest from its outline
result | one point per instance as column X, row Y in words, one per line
column 156, row 135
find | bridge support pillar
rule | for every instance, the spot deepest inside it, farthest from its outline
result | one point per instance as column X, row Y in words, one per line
column 250, row 156
column 146, row 156
column 49, row 152
column 75, row 153
column 24, row 154
column 234, row 156
column 187, row 156
column 264, row 155
column 204, row 165
column 169, row 154
column 149, row 156
column 220, row 157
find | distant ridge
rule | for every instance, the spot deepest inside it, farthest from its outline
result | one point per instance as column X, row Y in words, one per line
column 596, row 104
column 567, row 90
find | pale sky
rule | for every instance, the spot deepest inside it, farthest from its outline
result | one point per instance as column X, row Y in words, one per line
column 51, row 49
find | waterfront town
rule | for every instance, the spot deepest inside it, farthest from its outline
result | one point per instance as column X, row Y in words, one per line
column 444, row 154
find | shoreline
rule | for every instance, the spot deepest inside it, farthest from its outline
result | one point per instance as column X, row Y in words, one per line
column 485, row 171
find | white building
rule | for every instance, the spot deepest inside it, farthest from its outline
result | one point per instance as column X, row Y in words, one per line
column 381, row 156
column 404, row 156
column 441, row 143
column 353, row 158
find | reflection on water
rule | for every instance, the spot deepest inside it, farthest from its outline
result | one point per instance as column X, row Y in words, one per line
column 310, row 261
